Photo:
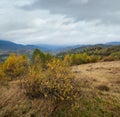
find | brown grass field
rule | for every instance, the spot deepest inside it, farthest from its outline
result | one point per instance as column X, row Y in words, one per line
column 100, row 95
column 102, row 73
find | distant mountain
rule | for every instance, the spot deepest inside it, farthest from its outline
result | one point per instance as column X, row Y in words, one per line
column 113, row 43
column 56, row 48
column 10, row 46
column 78, row 49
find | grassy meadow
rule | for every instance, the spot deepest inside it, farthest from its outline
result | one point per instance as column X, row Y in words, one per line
column 47, row 86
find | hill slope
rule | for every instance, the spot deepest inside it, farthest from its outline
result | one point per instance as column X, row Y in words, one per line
column 7, row 45
column 13, row 47
column 100, row 95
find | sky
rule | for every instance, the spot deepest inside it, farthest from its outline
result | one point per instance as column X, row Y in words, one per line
column 60, row 22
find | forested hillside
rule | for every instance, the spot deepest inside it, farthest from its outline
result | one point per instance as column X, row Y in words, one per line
column 91, row 54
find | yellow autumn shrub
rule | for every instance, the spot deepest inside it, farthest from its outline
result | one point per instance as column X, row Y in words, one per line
column 3, row 79
column 56, row 82
column 15, row 65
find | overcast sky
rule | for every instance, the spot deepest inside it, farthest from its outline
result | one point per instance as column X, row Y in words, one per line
column 60, row 22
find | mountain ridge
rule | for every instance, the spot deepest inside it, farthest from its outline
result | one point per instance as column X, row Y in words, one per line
column 11, row 46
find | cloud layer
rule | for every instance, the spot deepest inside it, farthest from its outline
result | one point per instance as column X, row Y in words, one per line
column 60, row 21
column 107, row 11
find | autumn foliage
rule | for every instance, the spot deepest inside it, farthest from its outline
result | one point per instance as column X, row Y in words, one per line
column 15, row 65
column 80, row 58
column 56, row 82
column 43, row 76
column 49, row 78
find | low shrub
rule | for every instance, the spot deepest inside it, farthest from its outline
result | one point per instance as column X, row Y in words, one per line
column 108, row 58
column 103, row 88
column 15, row 65
column 56, row 83
column 3, row 79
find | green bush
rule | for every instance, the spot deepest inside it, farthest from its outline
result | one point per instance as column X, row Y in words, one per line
column 116, row 55
column 80, row 58
column 108, row 58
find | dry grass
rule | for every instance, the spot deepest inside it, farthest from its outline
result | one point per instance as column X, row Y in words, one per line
column 100, row 80
column 14, row 103
column 94, row 101
column 102, row 77
column 102, row 73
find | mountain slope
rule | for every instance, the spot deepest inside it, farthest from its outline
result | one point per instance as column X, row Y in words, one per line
column 7, row 45
column 113, row 43
column 11, row 46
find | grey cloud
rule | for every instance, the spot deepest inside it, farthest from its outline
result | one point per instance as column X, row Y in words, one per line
column 104, row 10
column 54, row 21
